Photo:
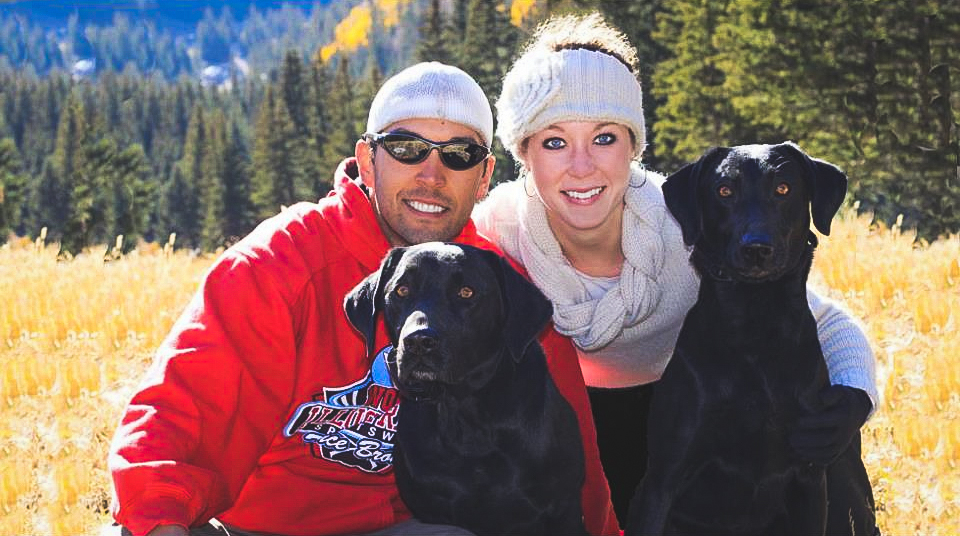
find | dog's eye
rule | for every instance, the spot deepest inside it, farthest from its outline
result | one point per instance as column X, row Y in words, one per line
column 403, row 291
column 724, row 191
column 465, row 293
column 783, row 188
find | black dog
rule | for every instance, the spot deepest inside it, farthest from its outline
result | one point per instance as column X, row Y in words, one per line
column 485, row 441
column 748, row 363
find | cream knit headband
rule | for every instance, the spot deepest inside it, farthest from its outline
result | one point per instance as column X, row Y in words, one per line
column 547, row 87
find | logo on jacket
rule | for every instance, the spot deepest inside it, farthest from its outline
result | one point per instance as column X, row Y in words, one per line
column 352, row 425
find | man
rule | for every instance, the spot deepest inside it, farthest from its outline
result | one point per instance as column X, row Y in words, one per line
column 262, row 408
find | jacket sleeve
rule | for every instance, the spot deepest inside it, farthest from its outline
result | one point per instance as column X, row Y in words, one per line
column 564, row 366
column 209, row 405
column 850, row 359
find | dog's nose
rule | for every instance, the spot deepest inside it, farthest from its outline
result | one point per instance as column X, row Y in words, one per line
column 422, row 341
column 756, row 253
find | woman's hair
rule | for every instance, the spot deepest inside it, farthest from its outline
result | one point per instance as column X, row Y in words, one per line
column 590, row 32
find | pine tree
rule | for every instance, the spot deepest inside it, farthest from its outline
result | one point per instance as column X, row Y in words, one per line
column 342, row 111
column 293, row 87
column 239, row 215
column 367, row 90
column 277, row 172
column 87, row 211
column 487, row 61
column 212, row 187
column 69, row 208
column 321, row 176
column 129, row 193
column 460, row 12
column 92, row 204
column 696, row 112
column 915, row 61
column 22, row 105
column 12, row 188
column 184, row 208
column 434, row 44
column 264, row 173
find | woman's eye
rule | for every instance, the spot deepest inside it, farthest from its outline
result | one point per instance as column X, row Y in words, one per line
column 554, row 143
column 465, row 293
column 403, row 291
column 783, row 188
column 605, row 139
column 724, row 191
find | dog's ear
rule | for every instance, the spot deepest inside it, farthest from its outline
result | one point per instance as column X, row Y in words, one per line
column 526, row 309
column 680, row 193
column 828, row 185
column 364, row 303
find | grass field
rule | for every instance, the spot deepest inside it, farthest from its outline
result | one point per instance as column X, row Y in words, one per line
column 75, row 337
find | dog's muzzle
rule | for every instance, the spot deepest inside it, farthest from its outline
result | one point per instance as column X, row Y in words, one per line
column 416, row 363
column 416, row 386
column 755, row 257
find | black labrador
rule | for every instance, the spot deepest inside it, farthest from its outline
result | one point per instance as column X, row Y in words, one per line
column 485, row 441
column 748, row 363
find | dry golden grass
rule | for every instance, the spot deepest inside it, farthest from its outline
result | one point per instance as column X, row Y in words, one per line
column 908, row 296
column 76, row 336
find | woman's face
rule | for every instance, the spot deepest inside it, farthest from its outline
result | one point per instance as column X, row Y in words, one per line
column 581, row 170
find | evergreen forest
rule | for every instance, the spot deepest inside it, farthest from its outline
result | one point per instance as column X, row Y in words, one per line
column 137, row 126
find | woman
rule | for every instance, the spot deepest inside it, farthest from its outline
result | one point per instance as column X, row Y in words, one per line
column 589, row 224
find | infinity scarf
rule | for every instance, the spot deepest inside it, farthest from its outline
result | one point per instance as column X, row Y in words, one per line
column 593, row 323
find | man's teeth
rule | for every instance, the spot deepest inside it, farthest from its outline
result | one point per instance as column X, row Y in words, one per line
column 583, row 195
column 424, row 207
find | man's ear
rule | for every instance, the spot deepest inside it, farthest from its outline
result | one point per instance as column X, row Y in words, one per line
column 488, row 165
column 680, row 191
column 828, row 185
column 364, row 303
column 364, row 153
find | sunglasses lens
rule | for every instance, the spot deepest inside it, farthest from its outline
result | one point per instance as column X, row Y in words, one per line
column 461, row 156
column 404, row 149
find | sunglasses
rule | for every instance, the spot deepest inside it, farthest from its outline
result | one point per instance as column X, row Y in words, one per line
column 411, row 149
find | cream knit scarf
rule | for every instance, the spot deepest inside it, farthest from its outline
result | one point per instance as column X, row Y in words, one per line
column 593, row 323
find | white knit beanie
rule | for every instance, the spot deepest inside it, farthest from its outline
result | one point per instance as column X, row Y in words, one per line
column 432, row 90
column 545, row 87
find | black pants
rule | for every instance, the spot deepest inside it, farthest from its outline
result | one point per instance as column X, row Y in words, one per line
column 620, row 416
column 213, row 528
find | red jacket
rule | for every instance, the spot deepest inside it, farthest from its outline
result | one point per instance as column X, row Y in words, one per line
column 262, row 408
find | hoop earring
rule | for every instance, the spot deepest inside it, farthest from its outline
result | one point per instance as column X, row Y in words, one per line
column 525, row 174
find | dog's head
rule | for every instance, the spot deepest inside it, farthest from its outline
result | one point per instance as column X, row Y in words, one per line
column 747, row 209
column 451, row 312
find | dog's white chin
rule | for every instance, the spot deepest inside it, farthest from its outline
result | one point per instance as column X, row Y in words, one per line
column 424, row 375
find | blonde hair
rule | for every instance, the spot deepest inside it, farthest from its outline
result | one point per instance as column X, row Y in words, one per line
column 590, row 32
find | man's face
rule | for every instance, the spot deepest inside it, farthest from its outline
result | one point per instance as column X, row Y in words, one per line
column 428, row 201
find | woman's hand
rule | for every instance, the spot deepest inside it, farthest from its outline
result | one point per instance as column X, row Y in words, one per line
column 821, row 437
